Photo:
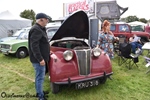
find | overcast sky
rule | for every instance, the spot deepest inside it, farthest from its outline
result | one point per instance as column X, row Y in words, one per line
column 54, row 8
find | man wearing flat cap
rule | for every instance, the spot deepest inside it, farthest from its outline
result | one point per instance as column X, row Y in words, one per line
column 39, row 50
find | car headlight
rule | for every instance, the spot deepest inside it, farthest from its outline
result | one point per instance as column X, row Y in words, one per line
column 8, row 47
column 68, row 55
column 96, row 52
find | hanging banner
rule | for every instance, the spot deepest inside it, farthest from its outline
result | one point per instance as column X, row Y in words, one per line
column 86, row 5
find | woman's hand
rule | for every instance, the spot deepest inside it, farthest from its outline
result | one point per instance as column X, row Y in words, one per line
column 116, row 38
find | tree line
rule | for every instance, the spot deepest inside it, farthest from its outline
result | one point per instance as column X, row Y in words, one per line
column 30, row 14
column 134, row 18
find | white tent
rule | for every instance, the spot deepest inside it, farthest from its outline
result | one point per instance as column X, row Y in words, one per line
column 8, row 22
column 137, row 26
column 135, row 23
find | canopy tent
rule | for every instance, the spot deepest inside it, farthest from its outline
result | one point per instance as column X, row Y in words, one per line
column 135, row 23
column 137, row 26
column 11, row 23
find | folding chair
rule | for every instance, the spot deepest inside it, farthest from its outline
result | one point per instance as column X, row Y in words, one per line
column 147, row 59
column 125, row 56
column 122, row 39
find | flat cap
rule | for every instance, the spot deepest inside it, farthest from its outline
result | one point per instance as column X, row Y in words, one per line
column 41, row 15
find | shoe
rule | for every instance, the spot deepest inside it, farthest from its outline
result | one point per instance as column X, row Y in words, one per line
column 45, row 94
column 42, row 98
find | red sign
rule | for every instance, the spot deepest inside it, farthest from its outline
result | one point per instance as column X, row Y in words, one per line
column 78, row 5
column 85, row 5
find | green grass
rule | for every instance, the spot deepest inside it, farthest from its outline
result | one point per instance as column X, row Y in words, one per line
column 17, row 77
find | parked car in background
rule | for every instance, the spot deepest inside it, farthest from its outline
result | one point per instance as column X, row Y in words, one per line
column 19, row 46
column 126, row 31
column 73, row 61
column 14, row 36
column 51, row 29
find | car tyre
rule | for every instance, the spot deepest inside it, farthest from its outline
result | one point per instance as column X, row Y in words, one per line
column 6, row 54
column 21, row 53
column 54, row 88
column 103, row 80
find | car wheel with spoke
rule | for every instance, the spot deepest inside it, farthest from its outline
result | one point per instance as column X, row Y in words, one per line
column 21, row 53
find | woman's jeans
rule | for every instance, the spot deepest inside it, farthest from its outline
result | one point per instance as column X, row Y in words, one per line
column 135, row 45
column 39, row 78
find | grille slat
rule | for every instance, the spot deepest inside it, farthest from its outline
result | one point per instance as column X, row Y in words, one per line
column 84, row 61
column 5, row 46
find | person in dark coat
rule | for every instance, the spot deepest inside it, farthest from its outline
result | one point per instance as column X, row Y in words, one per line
column 39, row 50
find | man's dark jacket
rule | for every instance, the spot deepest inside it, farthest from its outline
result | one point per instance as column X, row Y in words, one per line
column 39, row 47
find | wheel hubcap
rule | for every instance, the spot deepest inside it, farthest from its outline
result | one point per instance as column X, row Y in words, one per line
column 22, row 53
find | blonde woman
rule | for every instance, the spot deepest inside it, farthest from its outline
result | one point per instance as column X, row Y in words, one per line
column 106, row 38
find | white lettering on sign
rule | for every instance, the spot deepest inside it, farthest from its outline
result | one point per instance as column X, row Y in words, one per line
column 78, row 5
column 85, row 5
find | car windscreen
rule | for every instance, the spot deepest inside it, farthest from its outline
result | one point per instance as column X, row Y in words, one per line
column 51, row 32
column 17, row 33
column 24, row 34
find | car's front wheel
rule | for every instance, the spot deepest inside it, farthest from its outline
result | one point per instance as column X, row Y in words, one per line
column 21, row 53
column 54, row 88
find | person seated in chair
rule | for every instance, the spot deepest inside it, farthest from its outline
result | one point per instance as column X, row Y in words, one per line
column 135, row 43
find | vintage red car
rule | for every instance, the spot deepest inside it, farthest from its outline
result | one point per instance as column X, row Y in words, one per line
column 73, row 61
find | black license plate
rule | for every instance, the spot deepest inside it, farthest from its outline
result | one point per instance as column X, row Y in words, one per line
column 87, row 84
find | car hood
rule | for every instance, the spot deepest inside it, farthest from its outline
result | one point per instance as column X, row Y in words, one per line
column 15, row 41
column 76, row 25
column 7, row 38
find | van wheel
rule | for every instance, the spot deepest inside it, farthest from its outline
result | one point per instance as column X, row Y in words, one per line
column 21, row 53
column 54, row 88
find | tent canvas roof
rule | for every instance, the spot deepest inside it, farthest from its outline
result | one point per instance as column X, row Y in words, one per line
column 6, row 15
column 137, row 23
column 9, row 22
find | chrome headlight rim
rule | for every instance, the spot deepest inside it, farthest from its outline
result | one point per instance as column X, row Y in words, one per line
column 68, row 55
column 10, row 47
column 96, row 52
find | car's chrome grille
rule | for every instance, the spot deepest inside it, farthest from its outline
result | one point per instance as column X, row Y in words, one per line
column 4, row 46
column 84, row 62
